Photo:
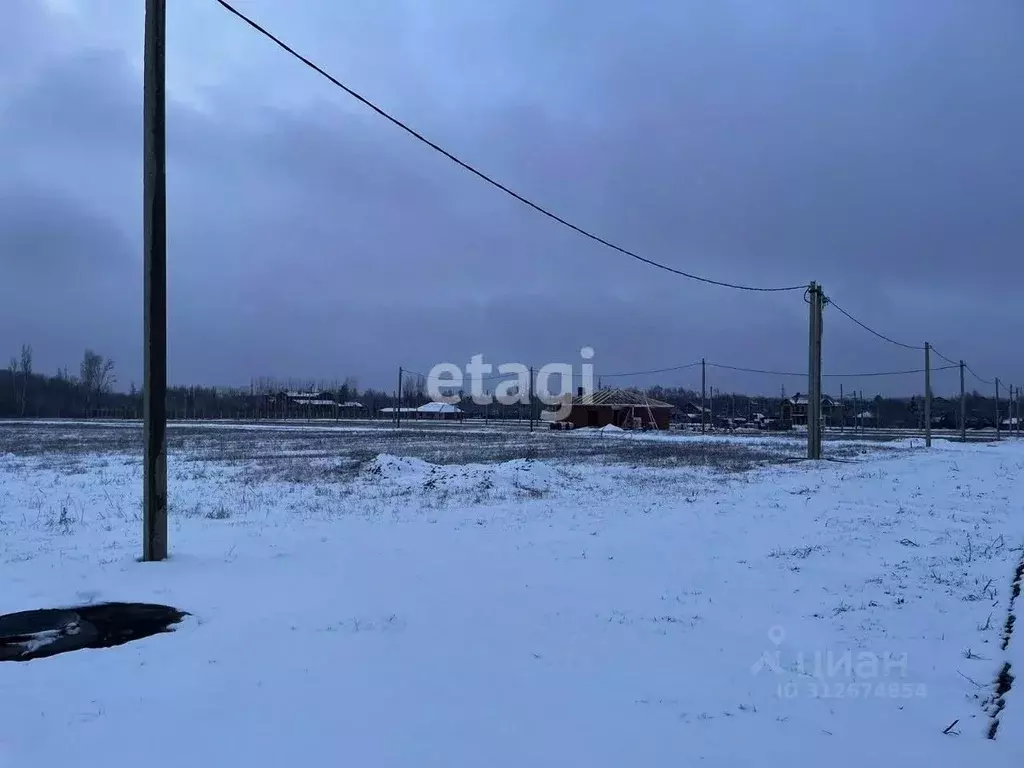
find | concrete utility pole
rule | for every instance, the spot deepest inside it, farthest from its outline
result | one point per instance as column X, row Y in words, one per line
column 154, row 237
column 398, row 400
column 927, row 395
column 531, row 398
column 703, row 395
column 997, row 409
column 1018, row 410
column 1009, row 414
column 814, row 374
column 842, row 409
column 963, row 406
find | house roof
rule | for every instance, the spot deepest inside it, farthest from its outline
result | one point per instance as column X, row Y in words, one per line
column 435, row 407
column 799, row 399
column 352, row 404
column 620, row 398
column 304, row 395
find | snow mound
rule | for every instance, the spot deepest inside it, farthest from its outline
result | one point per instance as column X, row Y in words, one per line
column 390, row 466
column 608, row 429
column 937, row 442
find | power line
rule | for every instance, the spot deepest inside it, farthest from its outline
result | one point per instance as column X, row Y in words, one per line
column 657, row 370
column 754, row 370
column 951, row 362
column 481, row 175
column 872, row 330
column 888, row 373
column 983, row 381
column 830, row 375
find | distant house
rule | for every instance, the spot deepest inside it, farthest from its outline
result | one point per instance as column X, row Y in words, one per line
column 691, row 413
column 309, row 398
column 623, row 408
column 443, row 411
column 794, row 409
column 352, row 408
column 390, row 412
column 434, row 410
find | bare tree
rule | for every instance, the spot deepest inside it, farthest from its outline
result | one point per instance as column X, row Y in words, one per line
column 96, row 376
column 26, row 374
column 12, row 368
column 414, row 389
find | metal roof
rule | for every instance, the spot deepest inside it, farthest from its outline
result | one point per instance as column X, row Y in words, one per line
column 436, row 407
column 620, row 398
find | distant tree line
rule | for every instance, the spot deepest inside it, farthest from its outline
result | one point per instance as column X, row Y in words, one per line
column 91, row 392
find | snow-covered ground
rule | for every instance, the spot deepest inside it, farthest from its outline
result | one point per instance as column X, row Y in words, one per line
column 397, row 611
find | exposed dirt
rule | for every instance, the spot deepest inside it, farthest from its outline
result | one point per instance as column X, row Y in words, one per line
column 29, row 635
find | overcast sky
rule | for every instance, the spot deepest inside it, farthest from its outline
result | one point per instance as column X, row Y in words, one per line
column 873, row 146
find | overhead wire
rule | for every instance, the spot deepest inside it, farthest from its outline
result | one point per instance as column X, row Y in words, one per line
column 975, row 375
column 829, row 375
column 871, row 330
column 576, row 228
column 656, row 370
column 487, row 178
column 951, row 362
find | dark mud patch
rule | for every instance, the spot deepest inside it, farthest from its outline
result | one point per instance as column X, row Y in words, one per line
column 29, row 635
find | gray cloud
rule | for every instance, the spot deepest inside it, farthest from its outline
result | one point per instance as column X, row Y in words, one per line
column 873, row 147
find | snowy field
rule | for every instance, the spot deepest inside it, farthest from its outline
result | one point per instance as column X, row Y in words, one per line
column 485, row 598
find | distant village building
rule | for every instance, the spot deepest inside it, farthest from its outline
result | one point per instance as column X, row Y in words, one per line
column 794, row 409
column 435, row 410
column 622, row 408
column 432, row 410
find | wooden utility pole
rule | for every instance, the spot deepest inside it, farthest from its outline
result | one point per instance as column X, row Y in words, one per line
column 927, row 395
column 997, row 408
column 963, row 406
column 814, row 374
column 703, row 395
column 154, row 237
column 398, row 400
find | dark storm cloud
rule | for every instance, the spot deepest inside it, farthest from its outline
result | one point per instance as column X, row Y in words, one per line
column 872, row 146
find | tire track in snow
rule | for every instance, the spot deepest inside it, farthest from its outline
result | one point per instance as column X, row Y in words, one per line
column 1004, row 680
